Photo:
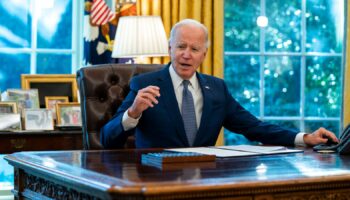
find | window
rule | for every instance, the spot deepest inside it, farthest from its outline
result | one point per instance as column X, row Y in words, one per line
column 38, row 37
column 289, row 72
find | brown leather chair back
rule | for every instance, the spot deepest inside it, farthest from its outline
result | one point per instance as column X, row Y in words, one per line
column 102, row 89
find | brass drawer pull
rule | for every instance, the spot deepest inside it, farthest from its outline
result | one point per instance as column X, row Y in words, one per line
column 18, row 143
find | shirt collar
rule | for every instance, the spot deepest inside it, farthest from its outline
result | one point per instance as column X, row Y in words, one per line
column 177, row 80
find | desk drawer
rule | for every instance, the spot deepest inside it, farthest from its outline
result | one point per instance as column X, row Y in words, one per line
column 14, row 142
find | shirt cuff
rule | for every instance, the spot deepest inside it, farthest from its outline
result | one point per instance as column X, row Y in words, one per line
column 299, row 140
column 129, row 122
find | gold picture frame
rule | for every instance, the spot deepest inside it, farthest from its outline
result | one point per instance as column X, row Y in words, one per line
column 8, row 107
column 51, row 85
column 68, row 114
column 51, row 101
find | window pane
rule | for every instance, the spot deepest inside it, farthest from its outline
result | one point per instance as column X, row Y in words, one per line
column 241, row 31
column 55, row 25
column 15, row 28
column 323, row 93
column 324, row 24
column 290, row 124
column 284, row 30
column 282, row 86
column 54, row 64
column 235, row 139
column 6, row 173
column 11, row 68
column 242, row 77
column 311, row 126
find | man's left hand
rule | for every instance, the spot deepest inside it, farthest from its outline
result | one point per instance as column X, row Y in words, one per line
column 319, row 136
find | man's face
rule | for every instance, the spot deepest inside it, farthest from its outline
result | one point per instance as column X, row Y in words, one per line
column 187, row 50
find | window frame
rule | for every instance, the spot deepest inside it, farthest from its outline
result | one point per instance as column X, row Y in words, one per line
column 303, row 55
column 76, row 50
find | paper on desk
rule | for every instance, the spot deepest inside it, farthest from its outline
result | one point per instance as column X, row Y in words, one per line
column 214, row 151
column 260, row 149
column 237, row 150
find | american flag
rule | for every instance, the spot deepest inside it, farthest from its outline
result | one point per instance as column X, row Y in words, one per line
column 100, row 13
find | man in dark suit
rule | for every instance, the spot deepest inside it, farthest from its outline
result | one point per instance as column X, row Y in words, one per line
column 153, row 110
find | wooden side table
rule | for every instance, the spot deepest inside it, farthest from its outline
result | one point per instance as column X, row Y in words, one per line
column 40, row 141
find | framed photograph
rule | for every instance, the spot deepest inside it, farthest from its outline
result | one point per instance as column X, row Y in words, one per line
column 10, row 122
column 8, row 107
column 25, row 99
column 68, row 114
column 51, row 101
column 38, row 119
column 51, row 85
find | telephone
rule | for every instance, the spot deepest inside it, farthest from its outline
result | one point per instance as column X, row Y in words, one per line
column 343, row 147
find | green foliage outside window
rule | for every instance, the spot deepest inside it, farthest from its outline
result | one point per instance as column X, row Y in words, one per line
column 289, row 72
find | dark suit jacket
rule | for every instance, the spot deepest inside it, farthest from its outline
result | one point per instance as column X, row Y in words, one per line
column 162, row 125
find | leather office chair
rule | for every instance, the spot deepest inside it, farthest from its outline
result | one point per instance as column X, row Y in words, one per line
column 102, row 89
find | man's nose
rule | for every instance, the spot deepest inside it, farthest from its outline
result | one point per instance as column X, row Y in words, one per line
column 187, row 53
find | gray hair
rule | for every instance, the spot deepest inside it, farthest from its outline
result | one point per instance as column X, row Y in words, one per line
column 191, row 22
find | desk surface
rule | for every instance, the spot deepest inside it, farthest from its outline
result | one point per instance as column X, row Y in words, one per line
column 116, row 174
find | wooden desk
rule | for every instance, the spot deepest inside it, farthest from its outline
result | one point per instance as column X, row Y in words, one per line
column 120, row 175
column 40, row 141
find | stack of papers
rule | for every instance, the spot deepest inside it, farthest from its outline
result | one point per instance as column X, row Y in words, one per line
column 237, row 150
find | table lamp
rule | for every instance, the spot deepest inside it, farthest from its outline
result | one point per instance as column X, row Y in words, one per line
column 140, row 36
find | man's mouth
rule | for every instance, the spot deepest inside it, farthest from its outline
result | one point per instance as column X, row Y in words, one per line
column 185, row 65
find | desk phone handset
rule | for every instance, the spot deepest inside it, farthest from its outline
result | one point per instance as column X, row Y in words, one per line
column 343, row 147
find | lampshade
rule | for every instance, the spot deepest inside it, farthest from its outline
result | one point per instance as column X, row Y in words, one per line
column 140, row 36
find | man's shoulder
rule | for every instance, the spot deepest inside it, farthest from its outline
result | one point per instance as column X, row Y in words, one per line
column 211, row 79
column 148, row 78
column 149, row 75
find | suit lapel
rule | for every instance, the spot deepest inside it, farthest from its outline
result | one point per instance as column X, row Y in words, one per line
column 207, row 106
column 171, row 105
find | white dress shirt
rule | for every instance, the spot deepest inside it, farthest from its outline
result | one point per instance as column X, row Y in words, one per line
column 129, row 122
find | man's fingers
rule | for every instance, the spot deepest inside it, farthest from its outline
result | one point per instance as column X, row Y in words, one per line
column 149, row 98
column 154, row 90
column 144, row 99
column 324, row 133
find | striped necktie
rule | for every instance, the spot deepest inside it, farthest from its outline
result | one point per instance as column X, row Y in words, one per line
column 188, row 113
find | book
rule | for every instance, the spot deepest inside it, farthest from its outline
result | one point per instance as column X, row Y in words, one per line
column 180, row 165
column 176, row 157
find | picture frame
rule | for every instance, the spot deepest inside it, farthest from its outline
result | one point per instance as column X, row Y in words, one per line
column 25, row 98
column 38, row 119
column 51, row 85
column 10, row 122
column 8, row 107
column 68, row 114
column 51, row 101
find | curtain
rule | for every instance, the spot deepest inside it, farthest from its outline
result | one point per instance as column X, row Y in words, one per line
column 208, row 12
column 346, row 104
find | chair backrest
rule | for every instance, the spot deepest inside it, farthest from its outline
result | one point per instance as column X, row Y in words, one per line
column 102, row 88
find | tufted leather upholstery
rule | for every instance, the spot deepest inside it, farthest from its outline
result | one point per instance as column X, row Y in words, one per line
column 102, row 89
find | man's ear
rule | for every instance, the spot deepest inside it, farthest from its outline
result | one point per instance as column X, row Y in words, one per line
column 205, row 53
column 169, row 49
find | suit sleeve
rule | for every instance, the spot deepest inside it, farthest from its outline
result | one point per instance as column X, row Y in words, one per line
column 241, row 121
column 112, row 134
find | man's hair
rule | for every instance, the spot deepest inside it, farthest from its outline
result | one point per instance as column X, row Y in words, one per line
column 191, row 22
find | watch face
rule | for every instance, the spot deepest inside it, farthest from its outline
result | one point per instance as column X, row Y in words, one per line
column 326, row 151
